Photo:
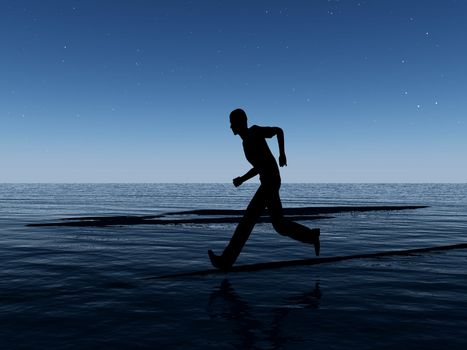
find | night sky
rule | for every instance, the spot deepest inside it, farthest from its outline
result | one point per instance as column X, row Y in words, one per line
column 141, row 91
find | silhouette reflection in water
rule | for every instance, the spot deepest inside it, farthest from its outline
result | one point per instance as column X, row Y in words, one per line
column 248, row 326
column 259, row 155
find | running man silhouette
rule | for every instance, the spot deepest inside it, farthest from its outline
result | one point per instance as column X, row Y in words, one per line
column 259, row 155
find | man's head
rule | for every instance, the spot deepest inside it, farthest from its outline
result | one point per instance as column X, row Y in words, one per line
column 238, row 121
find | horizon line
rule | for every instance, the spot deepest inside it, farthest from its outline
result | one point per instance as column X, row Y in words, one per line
column 230, row 183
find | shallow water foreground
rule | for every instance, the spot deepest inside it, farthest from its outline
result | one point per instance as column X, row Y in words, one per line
column 72, row 287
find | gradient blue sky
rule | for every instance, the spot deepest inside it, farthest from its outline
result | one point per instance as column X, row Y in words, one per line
column 140, row 91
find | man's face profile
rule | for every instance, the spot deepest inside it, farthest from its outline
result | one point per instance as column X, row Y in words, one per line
column 234, row 127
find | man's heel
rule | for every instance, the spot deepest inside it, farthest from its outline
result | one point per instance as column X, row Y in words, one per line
column 217, row 261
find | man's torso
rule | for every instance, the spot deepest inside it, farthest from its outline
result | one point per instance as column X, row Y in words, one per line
column 257, row 152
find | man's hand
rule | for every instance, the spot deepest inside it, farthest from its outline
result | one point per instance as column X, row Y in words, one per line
column 282, row 160
column 237, row 181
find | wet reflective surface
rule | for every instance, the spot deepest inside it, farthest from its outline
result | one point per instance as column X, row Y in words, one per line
column 75, row 287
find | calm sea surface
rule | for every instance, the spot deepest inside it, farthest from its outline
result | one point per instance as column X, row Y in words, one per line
column 86, row 287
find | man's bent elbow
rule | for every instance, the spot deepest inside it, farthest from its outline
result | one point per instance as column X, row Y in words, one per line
column 278, row 131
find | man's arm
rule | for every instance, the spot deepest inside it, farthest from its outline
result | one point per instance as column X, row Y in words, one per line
column 280, row 141
column 241, row 179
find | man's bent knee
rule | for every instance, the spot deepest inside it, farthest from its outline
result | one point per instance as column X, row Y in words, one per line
column 280, row 227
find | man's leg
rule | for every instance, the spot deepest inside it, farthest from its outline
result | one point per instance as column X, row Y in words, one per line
column 242, row 232
column 289, row 228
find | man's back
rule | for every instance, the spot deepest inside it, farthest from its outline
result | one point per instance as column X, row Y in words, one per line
column 257, row 152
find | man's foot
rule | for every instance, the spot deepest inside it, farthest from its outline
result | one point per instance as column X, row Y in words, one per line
column 308, row 236
column 218, row 262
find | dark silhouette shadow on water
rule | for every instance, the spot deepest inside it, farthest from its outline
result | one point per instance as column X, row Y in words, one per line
column 247, row 325
column 217, row 216
column 235, row 309
column 263, row 163
column 313, row 261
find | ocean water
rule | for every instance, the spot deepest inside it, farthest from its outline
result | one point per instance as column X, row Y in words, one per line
column 88, row 287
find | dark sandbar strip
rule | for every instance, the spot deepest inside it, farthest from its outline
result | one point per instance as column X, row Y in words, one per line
column 122, row 221
column 312, row 261
column 303, row 210
column 227, row 216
